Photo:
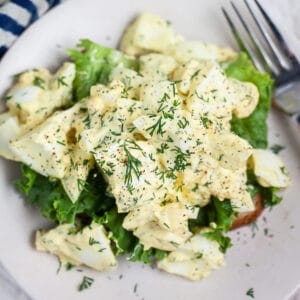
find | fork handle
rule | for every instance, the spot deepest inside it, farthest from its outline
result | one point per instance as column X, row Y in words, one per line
column 287, row 97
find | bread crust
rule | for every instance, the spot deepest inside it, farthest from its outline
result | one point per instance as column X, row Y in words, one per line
column 249, row 217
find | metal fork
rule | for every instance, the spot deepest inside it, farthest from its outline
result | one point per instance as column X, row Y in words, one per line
column 265, row 55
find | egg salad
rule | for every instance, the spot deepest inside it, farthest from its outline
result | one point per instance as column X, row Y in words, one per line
column 150, row 151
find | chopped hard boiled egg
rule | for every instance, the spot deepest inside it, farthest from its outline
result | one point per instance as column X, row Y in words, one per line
column 37, row 94
column 196, row 259
column 10, row 129
column 164, row 227
column 157, row 65
column 130, row 79
column 74, row 180
column 187, row 50
column 245, row 97
column 269, row 169
column 120, row 163
column 60, row 85
column 89, row 246
column 230, row 150
column 148, row 33
column 46, row 148
column 184, row 74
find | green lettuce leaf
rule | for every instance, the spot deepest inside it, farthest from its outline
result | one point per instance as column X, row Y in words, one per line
column 94, row 64
column 53, row 201
column 217, row 235
column 253, row 128
column 147, row 256
column 124, row 240
column 269, row 194
column 139, row 254
column 219, row 212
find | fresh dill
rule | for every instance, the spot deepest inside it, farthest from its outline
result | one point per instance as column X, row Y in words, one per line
column 81, row 185
column 92, row 241
column 7, row 97
column 87, row 122
column 277, row 148
column 69, row 266
column 250, row 293
column 182, row 123
column 157, row 126
column 86, row 283
column 181, row 159
column 195, row 74
column 163, row 147
column 206, row 122
column 38, row 81
column 61, row 143
column 132, row 163
column 61, row 81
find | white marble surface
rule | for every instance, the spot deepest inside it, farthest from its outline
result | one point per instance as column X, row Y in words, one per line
column 286, row 15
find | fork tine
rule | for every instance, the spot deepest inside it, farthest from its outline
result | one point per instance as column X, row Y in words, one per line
column 241, row 44
column 278, row 36
column 266, row 37
column 260, row 50
column 236, row 34
column 238, row 38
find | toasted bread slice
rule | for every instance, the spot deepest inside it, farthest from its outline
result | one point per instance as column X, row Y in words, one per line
column 249, row 217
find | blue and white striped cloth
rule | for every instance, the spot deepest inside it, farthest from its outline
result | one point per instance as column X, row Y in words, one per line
column 17, row 15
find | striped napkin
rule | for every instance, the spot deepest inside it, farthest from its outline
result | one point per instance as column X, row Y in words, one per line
column 17, row 15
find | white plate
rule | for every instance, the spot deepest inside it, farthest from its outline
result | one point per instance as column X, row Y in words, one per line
column 273, row 269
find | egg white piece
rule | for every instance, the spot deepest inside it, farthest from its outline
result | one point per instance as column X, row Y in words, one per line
column 195, row 260
column 89, row 246
column 269, row 169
